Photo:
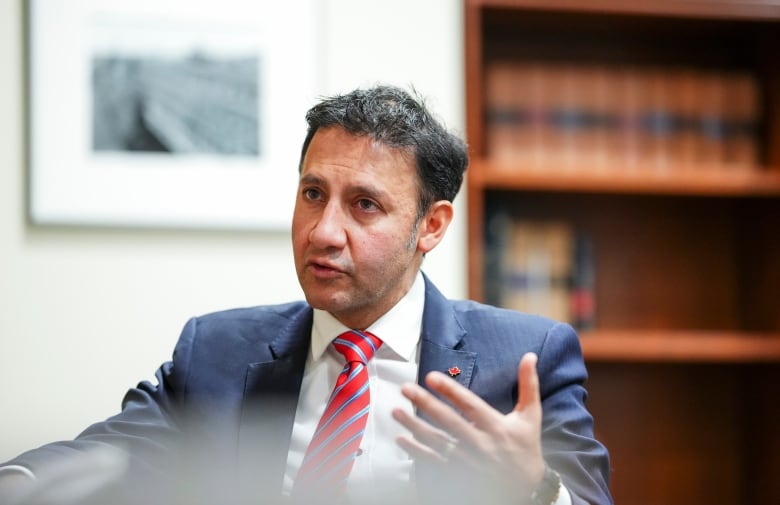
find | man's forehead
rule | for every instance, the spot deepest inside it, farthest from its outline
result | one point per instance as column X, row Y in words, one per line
column 363, row 144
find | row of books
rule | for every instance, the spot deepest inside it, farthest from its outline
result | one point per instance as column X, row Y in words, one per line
column 540, row 267
column 541, row 113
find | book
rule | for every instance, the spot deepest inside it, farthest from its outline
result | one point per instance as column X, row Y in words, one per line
column 538, row 269
column 538, row 266
column 513, row 103
column 582, row 297
column 741, row 117
column 624, row 117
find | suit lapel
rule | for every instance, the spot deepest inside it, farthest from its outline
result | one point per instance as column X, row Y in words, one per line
column 458, row 364
column 440, row 349
column 442, row 339
column 270, row 399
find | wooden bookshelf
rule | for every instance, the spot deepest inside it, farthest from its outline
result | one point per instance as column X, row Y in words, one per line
column 683, row 349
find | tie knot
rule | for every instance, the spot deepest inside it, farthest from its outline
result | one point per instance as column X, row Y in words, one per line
column 357, row 345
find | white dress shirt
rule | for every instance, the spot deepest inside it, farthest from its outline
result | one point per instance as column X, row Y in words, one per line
column 394, row 363
column 381, row 462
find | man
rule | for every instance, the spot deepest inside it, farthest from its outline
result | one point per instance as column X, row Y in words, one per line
column 468, row 403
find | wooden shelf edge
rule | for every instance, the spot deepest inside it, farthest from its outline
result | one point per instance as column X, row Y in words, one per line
column 731, row 9
column 706, row 181
column 663, row 346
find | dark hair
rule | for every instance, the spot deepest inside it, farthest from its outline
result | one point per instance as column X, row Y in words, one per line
column 393, row 117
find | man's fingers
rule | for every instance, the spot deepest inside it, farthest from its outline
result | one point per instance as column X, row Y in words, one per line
column 457, row 425
column 422, row 431
column 471, row 406
column 439, row 412
column 429, row 442
column 528, row 384
column 419, row 451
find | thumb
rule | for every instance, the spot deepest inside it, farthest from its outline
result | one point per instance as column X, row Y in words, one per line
column 528, row 397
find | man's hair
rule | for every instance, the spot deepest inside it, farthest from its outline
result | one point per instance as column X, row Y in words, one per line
column 396, row 119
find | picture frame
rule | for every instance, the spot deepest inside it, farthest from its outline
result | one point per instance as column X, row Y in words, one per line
column 168, row 113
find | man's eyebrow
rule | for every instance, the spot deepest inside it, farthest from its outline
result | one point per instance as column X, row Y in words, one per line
column 312, row 179
column 369, row 191
column 359, row 189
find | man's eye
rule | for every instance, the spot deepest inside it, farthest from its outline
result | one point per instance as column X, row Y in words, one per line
column 312, row 193
column 365, row 204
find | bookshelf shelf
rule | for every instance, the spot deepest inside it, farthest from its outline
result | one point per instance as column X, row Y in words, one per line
column 680, row 181
column 662, row 346
column 711, row 9
column 650, row 133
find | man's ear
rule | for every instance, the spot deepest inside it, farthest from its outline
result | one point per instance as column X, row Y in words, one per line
column 433, row 225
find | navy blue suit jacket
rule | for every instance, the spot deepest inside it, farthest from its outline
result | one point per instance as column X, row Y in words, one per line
column 222, row 412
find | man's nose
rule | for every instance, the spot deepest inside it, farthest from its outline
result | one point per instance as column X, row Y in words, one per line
column 330, row 228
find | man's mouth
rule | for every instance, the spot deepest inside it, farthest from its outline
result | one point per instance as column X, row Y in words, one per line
column 325, row 269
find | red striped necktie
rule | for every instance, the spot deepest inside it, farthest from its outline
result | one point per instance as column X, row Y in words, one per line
column 336, row 441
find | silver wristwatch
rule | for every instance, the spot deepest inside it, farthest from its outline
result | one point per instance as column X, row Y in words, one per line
column 546, row 493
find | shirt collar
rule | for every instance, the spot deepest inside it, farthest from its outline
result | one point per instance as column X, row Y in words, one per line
column 399, row 328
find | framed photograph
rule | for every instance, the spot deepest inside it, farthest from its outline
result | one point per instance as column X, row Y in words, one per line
column 168, row 113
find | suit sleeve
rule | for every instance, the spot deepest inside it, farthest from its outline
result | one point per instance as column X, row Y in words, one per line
column 567, row 427
column 137, row 445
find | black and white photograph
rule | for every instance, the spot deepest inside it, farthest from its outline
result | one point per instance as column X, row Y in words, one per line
column 198, row 98
column 167, row 113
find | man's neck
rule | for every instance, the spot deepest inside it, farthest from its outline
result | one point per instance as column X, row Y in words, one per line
column 400, row 325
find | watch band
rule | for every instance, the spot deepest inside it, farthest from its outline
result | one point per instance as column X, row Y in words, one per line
column 546, row 493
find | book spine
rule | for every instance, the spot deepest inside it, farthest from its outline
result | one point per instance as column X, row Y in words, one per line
column 742, row 117
column 712, row 120
column 583, row 291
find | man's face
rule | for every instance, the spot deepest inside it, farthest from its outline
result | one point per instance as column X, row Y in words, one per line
column 353, row 228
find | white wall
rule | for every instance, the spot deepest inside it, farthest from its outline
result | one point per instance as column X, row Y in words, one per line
column 87, row 313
